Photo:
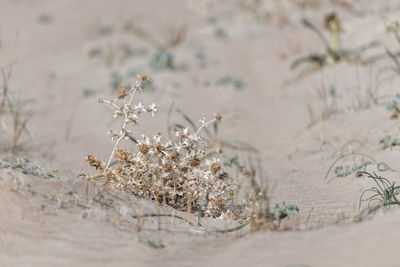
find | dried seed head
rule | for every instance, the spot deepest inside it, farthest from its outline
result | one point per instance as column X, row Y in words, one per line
column 122, row 93
column 194, row 162
column 220, row 151
column 122, row 154
column 223, row 176
column 143, row 77
column 143, row 148
column 174, row 156
column 94, row 162
column 231, row 193
column 245, row 172
column 218, row 116
column 181, row 135
column 214, row 167
column 332, row 21
column 167, row 167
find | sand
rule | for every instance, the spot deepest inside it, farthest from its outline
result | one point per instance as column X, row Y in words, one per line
column 67, row 221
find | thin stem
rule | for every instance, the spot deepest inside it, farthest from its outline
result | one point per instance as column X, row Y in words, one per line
column 123, row 135
column 132, row 93
column 204, row 125
column 162, row 215
column 229, row 230
column 113, row 151
column 111, row 103
column 233, row 229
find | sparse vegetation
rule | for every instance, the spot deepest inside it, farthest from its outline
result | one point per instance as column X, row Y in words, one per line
column 393, row 28
column 333, row 51
column 394, row 107
column 383, row 194
column 12, row 113
column 389, row 142
column 25, row 166
column 162, row 188
column 181, row 172
column 166, row 171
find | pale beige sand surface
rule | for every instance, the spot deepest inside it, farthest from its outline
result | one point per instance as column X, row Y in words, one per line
column 50, row 42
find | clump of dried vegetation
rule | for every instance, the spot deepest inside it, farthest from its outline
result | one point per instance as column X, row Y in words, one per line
column 180, row 171
column 167, row 171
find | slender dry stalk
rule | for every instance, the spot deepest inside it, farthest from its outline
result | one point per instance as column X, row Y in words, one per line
column 19, row 128
column 10, row 109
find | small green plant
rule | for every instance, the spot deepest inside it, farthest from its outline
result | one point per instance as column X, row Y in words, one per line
column 163, row 57
column 162, row 60
column 260, row 215
column 155, row 243
column 221, row 33
column 333, row 52
column 393, row 28
column 25, row 166
column 116, row 81
column 343, row 170
column 282, row 211
column 230, row 81
column 385, row 193
column 95, row 52
column 346, row 170
column 394, row 107
column 87, row 92
column 389, row 142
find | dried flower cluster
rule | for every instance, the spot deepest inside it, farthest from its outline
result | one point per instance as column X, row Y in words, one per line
column 173, row 172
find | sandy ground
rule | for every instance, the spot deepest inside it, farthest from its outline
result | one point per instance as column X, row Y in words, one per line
column 52, row 46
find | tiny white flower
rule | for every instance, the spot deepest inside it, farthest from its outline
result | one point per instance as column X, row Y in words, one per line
column 140, row 107
column 152, row 109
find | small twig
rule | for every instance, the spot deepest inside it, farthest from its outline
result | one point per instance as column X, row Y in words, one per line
column 233, row 229
column 162, row 215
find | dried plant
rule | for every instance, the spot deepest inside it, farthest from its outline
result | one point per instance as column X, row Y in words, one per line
column 393, row 28
column 12, row 112
column 164, row 170
column 182, row 171
column 259, row 214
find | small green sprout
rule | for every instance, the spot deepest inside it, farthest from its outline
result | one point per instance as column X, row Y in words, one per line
column 389, row 142
column 155, row 243
column 162, row 60
column 281, row 211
